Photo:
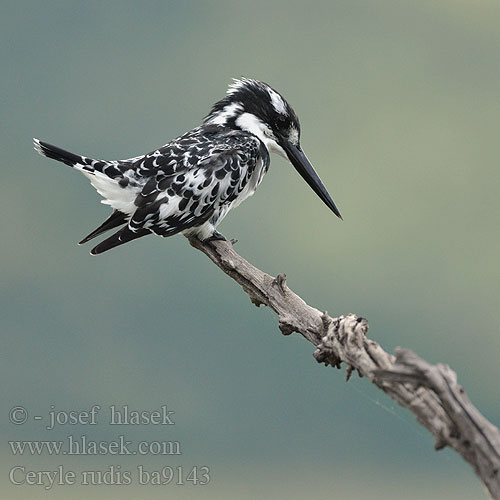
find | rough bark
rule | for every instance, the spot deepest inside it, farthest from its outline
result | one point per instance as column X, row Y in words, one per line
column 430, row 392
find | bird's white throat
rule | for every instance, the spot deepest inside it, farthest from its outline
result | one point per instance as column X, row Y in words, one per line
column 250, row 123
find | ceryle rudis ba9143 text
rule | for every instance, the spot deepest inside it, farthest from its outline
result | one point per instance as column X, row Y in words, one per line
column 189, row 185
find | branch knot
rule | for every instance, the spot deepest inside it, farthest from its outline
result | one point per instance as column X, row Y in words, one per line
column 280, row 282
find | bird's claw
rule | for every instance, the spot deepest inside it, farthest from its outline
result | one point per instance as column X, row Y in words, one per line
column 216, row 236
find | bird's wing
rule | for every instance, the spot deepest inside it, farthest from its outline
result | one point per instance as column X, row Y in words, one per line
column 189, row 194
column 170, row 203
column 178, row 154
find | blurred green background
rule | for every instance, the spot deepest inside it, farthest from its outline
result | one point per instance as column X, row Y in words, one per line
column 400, row 112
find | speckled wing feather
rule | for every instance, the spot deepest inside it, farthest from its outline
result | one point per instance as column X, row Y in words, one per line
column 191, row 181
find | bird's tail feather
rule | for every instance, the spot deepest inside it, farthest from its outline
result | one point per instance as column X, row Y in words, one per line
column 119, row 238
column 50, row 151
column 111, row 169
column 116, row 219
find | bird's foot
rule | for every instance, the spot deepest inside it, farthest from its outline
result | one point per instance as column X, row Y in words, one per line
column 216, row 236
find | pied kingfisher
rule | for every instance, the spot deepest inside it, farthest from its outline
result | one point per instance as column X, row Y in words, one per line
column 189, row 185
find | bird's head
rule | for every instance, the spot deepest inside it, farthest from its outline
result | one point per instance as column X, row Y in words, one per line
column 257, row 108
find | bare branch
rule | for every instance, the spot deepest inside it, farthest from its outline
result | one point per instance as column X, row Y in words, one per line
column 430, row 392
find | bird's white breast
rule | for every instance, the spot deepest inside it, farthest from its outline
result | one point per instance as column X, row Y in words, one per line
column 254, row 181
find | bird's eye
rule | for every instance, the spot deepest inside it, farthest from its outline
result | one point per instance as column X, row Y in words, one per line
column 280, row 121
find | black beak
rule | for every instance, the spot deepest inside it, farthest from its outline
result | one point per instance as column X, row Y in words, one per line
column 305, row 169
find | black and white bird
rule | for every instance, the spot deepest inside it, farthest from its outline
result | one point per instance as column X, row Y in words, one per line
column 190, row 184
